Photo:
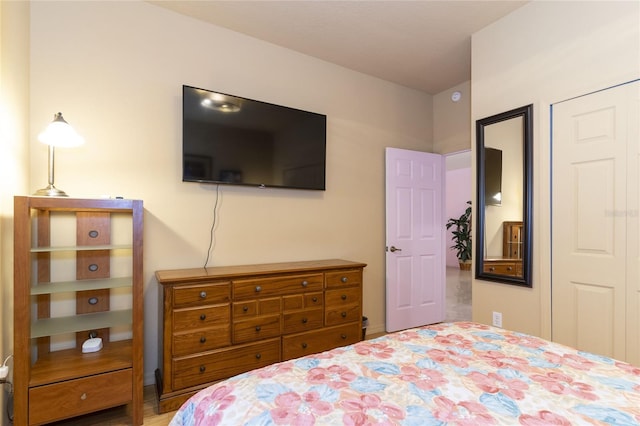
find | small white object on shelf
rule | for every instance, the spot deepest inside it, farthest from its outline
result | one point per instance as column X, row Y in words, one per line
column 92, row 345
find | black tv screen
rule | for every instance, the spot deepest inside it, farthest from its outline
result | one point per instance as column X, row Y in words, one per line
column 493, row 177
column 234, row 140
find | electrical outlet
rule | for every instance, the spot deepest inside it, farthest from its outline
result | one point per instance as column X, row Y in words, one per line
column 497, row 319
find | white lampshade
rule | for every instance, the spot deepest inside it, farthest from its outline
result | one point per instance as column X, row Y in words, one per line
column 60, row 134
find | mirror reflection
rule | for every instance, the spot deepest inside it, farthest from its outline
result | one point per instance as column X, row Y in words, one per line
column 504, row 197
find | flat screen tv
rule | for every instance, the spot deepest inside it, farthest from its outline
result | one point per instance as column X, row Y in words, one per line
column 234, row 140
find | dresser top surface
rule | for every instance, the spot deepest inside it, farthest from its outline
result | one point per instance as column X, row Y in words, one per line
column 173, row 276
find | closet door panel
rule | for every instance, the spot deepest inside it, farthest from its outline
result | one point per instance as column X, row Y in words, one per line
column 633, row 227
column 590, row 222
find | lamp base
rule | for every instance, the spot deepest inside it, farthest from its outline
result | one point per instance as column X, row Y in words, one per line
column 50, row 191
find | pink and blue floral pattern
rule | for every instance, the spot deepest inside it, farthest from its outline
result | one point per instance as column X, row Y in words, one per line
column 445, row 374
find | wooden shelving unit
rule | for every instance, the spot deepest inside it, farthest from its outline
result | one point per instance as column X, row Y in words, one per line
column 512, row 240
column 101, row 294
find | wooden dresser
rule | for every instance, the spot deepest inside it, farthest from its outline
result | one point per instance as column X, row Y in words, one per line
column 222, row 321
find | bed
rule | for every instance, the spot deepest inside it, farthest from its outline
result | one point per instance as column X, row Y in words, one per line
column 459, row 373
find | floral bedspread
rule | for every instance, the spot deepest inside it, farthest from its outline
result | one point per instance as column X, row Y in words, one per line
column 445, row 374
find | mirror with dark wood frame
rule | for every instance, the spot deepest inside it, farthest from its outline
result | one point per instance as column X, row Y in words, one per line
column 504, row 200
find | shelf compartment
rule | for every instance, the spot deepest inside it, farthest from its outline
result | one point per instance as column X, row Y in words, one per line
column 71, row 363
column 83, row 285
column 60, row 325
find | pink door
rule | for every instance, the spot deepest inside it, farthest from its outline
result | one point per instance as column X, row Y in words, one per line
column 415, row 252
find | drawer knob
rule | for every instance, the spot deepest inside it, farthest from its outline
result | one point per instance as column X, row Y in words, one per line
column 343, row 336
column 304, row 346
column 203, row 317
column 203, row 339
column 315, row 299
column 344, row 279
column 344, row 297
column 258, row 289
column 203, row 294
column 258, row 356
column 509, row 268
column 491, row 269
column 83, row 396
column 305, row 283
column 245, row 308
column 202, row 368
column 344, row 314
column 304, row 320
column 258, row 328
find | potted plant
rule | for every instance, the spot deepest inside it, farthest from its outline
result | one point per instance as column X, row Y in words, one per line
column 462, row 238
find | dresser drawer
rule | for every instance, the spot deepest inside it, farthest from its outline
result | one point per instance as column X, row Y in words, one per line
column 342, row 315
column 513, row 268
column 342, row 297
column 256, row 328
column 200, row 341
column 348, row 277
column 202, row 294
column 193, row 318
column 75, row 397
column 250, row 308
column 276, row 286
column 295, row 322
column 302, row 301
column 302, row 344
column 212, row 366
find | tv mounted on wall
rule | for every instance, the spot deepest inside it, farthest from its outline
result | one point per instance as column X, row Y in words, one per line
column 234, row 140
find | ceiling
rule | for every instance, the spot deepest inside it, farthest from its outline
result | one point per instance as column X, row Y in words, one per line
column 421, row 44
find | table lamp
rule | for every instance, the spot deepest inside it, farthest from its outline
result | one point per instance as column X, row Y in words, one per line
column 57, row 134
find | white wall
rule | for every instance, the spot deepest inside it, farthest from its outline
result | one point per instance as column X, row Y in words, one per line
column 543, row 53
column 14, row 151
column 452, row 120
column 115, row 70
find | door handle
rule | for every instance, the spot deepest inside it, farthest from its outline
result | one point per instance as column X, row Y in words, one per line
column 394, row 249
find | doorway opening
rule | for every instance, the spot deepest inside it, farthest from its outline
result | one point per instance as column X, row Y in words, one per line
column 457, row 192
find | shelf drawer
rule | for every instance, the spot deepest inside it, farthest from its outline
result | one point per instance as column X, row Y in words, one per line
column 200, row 341
column 204, row 294
column 295, row 322
column 189, row 319
column 342, row 297
column 316, row 341
column 344, row 278
column 276, row 286
column 212, row 366
column 80, row 396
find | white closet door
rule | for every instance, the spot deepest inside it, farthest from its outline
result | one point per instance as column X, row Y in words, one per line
column 591, row 219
